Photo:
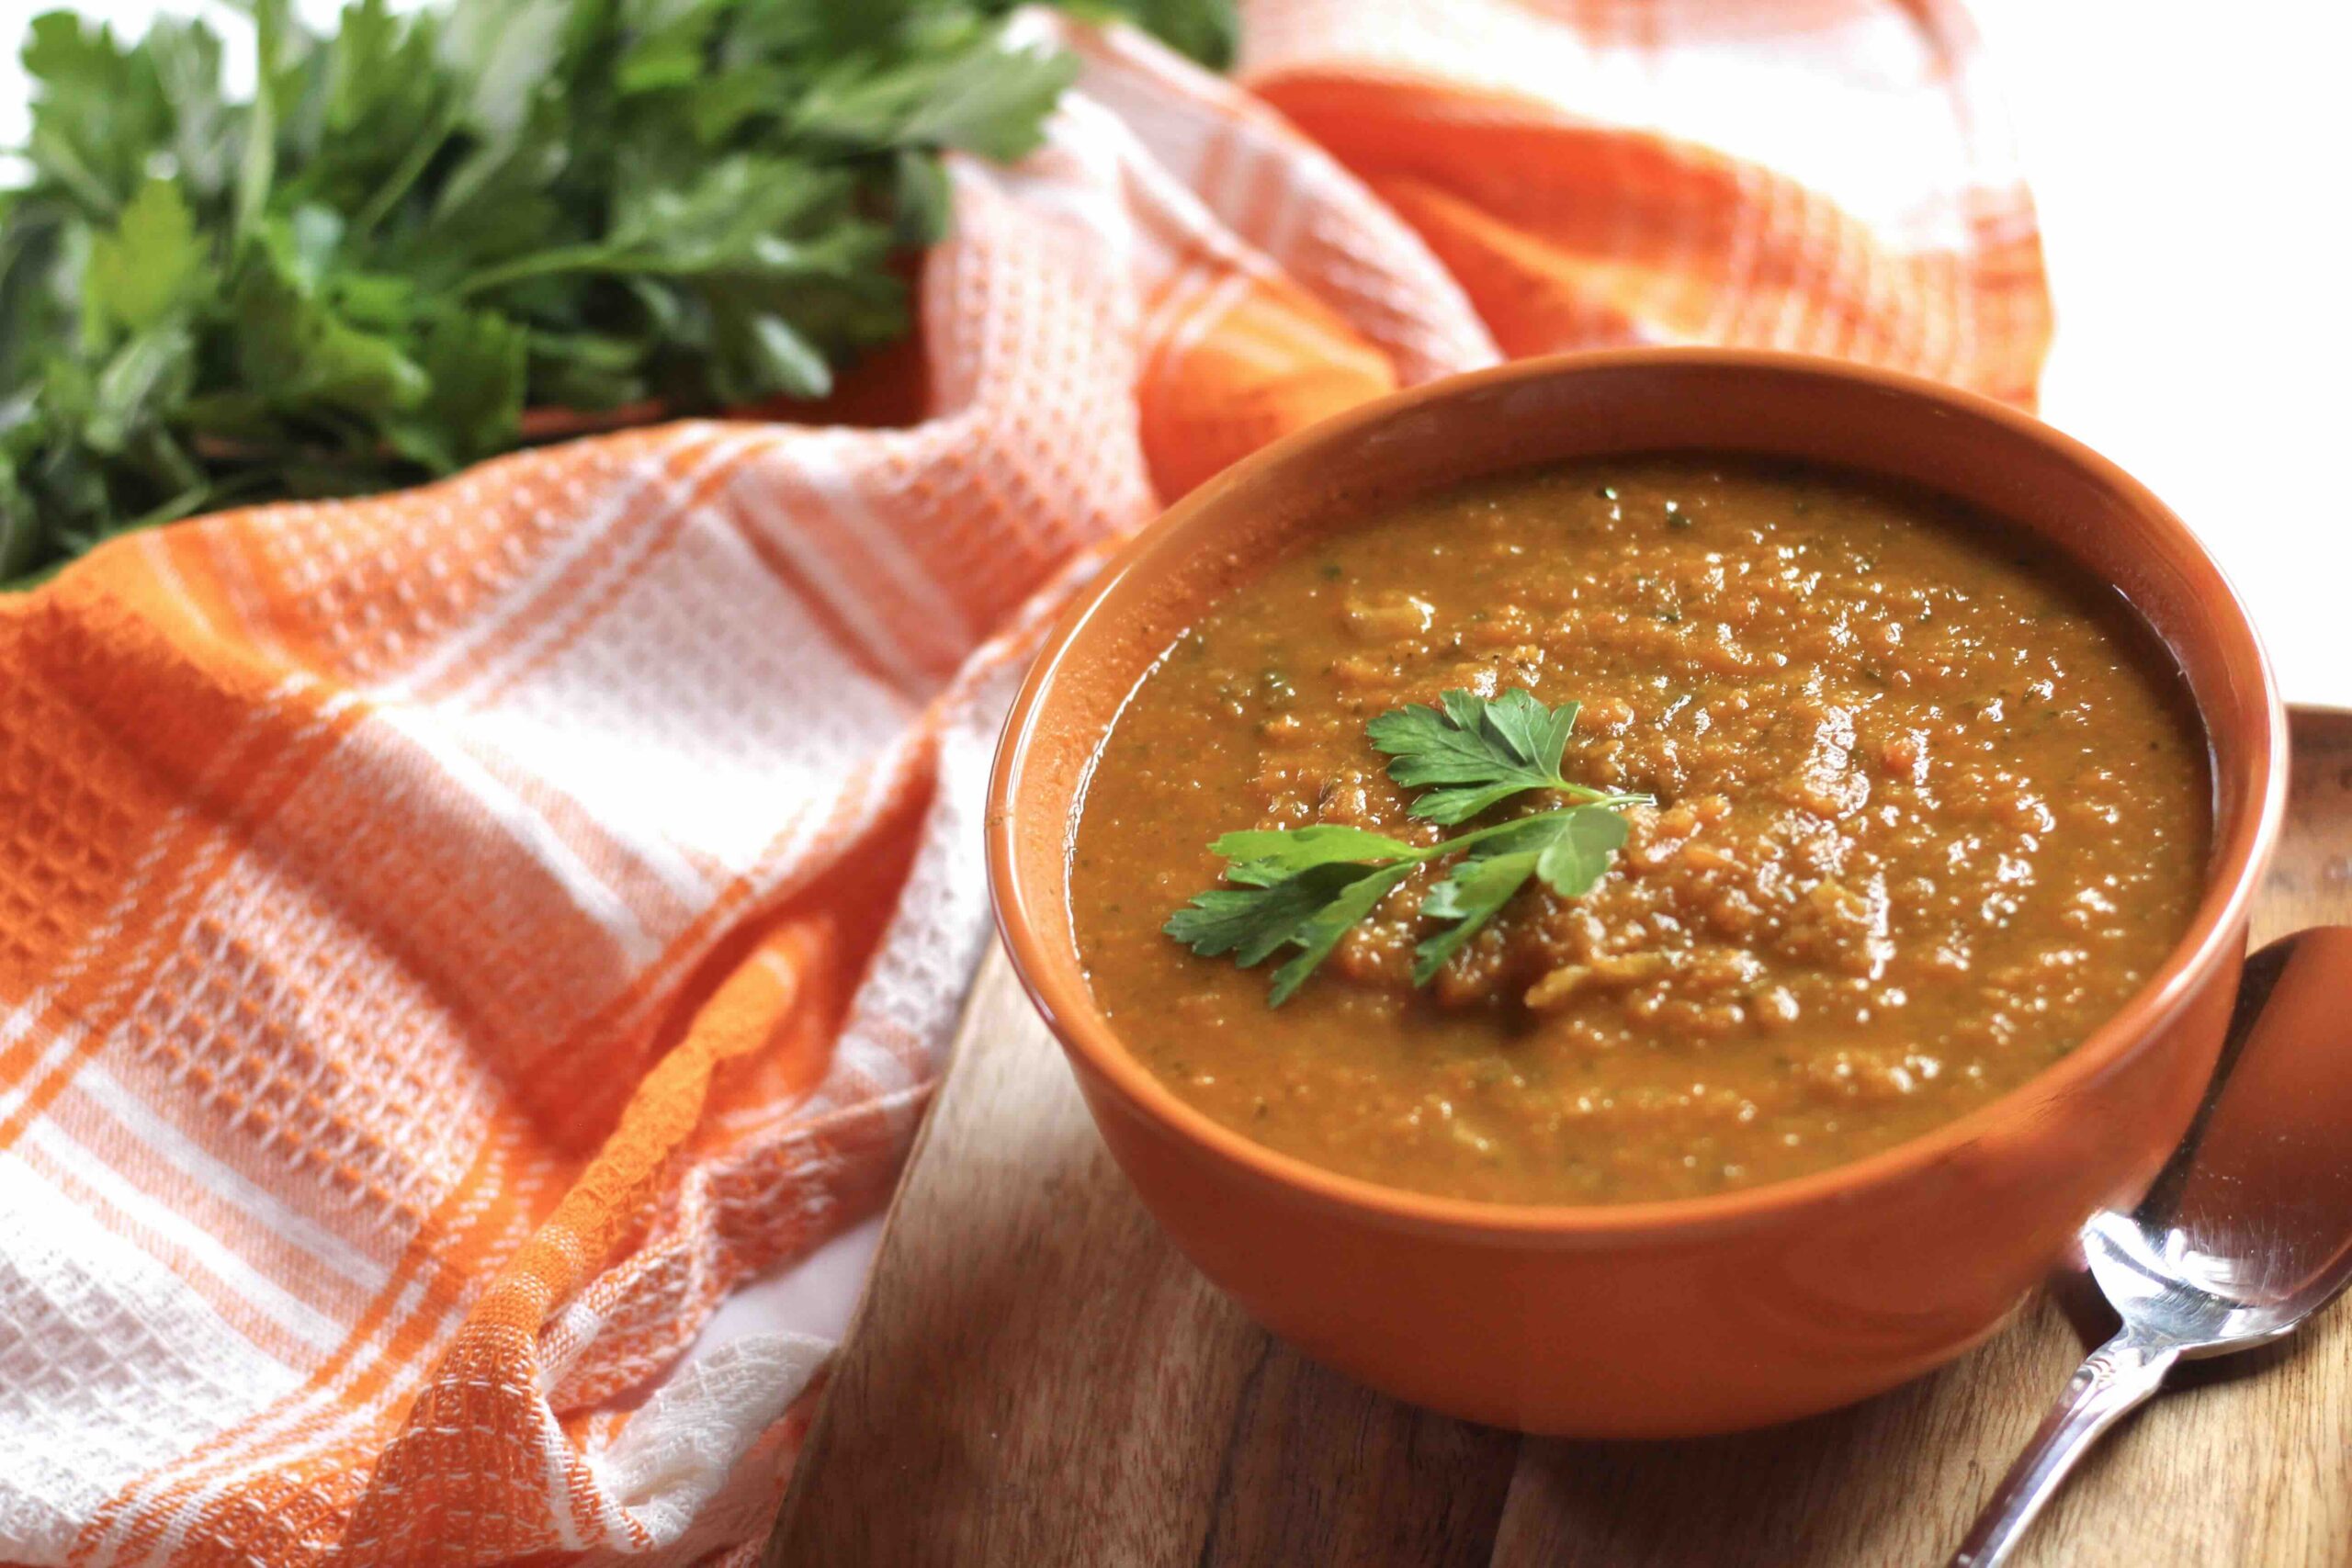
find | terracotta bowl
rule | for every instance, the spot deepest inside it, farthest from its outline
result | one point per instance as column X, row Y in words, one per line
column 1702, row 1315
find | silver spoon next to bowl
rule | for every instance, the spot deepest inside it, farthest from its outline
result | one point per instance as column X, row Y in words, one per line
column 2245, row 1233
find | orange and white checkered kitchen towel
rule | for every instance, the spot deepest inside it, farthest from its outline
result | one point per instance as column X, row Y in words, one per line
column 463, row 952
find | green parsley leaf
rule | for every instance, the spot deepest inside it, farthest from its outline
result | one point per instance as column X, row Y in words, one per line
column 1569, row 849
column 1311, row 912
column 1320, row 933
column 1307, row 887
column 1297, row 849
column 297, row 349
column 971, row 92
column 151, row 262
column 1479, row 752
column 1258, row 917
column 474, row 364
column 1208, row 31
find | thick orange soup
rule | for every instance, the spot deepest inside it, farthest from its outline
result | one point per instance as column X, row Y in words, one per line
column 1637, row 830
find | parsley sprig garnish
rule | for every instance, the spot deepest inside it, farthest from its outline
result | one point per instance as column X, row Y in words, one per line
column 1305, row 888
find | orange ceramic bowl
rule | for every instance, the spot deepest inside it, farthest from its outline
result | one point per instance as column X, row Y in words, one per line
column 1702, row 1315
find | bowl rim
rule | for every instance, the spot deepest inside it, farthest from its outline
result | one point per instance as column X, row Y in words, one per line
column 2243, row 844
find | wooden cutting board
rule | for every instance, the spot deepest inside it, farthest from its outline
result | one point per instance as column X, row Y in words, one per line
column 1036, row 1377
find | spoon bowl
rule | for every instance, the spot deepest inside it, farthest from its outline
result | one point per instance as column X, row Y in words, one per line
column 2172, row 1293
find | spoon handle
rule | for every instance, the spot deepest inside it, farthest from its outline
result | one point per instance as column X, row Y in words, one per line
column 2116, row 1378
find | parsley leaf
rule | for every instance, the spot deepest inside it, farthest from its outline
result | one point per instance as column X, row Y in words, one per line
column 1256, row 917
column 149, row 263
column 1208, row 31
column 1311, row 909
column 1479, row 752
column 1305, row 887
column 1569, row 849
column 1298, row 849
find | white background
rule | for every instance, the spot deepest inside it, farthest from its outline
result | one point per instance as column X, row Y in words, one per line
column 2190, row 160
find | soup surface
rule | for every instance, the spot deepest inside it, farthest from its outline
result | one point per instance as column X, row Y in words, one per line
column 1930, row 806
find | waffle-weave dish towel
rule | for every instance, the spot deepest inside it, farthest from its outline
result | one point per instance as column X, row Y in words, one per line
column 451, row 943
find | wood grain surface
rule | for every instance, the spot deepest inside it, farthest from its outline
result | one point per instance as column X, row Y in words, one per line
column 1036, row 1377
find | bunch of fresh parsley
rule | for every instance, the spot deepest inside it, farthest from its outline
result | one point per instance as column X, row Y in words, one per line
column 420, row 225
column 1305, row 888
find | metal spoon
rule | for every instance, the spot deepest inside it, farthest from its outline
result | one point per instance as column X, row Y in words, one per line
column 2245, row 1233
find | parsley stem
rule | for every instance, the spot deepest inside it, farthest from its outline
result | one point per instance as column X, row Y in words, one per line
column 1586, row 795
column 569, row 258
column 411, row 167
column 67, row 167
